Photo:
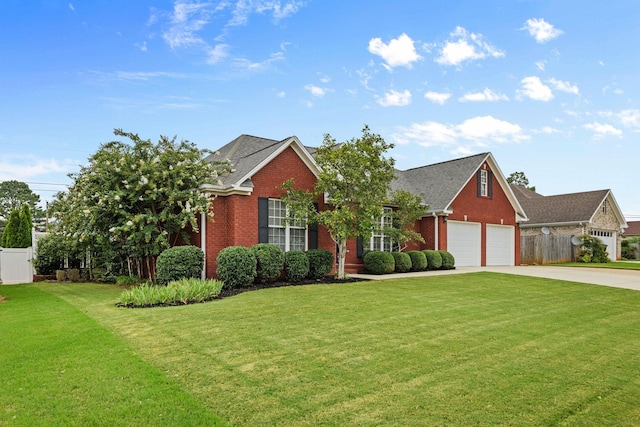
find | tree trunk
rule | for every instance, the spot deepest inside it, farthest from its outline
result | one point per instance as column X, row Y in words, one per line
column 342, row 256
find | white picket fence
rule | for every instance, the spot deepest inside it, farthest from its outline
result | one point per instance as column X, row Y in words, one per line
column 16, row 266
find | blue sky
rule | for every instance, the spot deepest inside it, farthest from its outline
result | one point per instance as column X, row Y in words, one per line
column 549, row 87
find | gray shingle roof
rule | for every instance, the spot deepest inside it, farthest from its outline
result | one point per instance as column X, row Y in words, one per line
column 245, row 153
column 440, row 183
column 562, row 208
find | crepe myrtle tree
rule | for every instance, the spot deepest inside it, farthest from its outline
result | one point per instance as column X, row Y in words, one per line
column 407, row 209
column 356, row 178
column 138, row 195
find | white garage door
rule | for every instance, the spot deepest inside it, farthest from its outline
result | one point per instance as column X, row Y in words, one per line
column 609, row 239
column 500, row 245
column 463, row 241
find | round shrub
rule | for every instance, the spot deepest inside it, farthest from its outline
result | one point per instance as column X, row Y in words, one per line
column 448, row 261
column 434, row 259
column 379, row 262
column 270, row 260
column 236, row 266
column 179, row 262
column 418, row 260
column 296, row 266
column 320, row 263
column 402, row 261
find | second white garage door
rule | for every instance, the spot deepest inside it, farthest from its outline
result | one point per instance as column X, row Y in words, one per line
column 463, row 241
column 500, row 245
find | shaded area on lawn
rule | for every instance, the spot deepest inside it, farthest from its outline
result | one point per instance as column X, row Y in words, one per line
column 60, row 367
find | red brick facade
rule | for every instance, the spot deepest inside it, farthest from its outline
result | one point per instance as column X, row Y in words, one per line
column 235, row 221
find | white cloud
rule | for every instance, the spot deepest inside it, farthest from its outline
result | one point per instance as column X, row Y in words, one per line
column 601, row 130
column 564, row 86
column 547, row 130
column 486, row 95
column 71, row 7
column 630, row 118
column 464, row 46
column 186, row 21
column 437, row 97
column 541, row 65
column 218, row 53
column 29, row 167
column 400, row 52
column 464, row 137
column 258, row 65
column 541, row 30
column 533, row 88
column 281, row 94
column 395, row 99
column 490, row 128
column 279, row 9
column 316, row 91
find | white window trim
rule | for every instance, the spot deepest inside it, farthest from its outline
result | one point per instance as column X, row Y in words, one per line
column 384, row 220
column 287, row 228
column 484, row 188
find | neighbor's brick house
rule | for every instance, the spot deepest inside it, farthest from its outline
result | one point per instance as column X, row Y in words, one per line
column 472, row 211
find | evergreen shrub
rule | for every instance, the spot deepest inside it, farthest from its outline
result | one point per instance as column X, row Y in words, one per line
column 179, row 262
column 236, row 266
column 379, row 262
column 320, row 263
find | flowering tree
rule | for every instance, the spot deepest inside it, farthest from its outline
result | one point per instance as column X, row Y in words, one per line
column 139, row 197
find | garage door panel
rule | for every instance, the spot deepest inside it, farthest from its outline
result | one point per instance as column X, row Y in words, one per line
column 500, row 245
column 464, row 242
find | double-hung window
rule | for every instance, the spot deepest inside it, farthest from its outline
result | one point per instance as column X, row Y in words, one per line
column 379, row 241
column 484, row 192
column 290, row 235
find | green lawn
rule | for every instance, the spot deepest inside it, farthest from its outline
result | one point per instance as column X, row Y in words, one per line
column 469, row 349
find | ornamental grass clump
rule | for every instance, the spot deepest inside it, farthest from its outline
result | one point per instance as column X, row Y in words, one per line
column 179, row 292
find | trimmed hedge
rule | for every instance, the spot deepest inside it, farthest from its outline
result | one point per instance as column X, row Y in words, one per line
column 270, row 260
column 236, row 266
column 379, row 262
column 402, row 261
column 434, row 259
column 418, row 260
column 296, row 266
column 320, row 263
column 179, row 262
column 448, row 261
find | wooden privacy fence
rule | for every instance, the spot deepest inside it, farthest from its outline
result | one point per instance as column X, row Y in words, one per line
column 546, row 249
column 16, row 266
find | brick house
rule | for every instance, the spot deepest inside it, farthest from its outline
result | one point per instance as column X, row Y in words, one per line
column 472, row 211
column 591, row 212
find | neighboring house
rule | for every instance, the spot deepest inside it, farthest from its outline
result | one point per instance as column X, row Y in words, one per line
column 592, row 212
column 472, row 211
column 633, row 229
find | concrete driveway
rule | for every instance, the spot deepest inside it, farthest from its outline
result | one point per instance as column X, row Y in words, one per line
column 628, row 279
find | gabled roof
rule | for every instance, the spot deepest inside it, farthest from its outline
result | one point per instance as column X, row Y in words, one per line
column 564, row 209
column 440, row 183
column 247, row 155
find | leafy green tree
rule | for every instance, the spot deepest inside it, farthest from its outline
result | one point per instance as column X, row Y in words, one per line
column 356, row 178
column 519, row 178
column 24, row 239
column 13, row 194
column 408, row 209
column 138, row 196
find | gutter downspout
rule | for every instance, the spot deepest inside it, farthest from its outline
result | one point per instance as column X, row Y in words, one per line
column 435, row 230
column 203, row 242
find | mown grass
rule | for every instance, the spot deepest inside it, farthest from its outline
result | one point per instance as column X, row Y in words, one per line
column 469, row 349
column 621, row 265
column 60, row 367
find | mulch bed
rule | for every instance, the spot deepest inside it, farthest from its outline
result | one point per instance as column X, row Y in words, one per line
column 257, row 286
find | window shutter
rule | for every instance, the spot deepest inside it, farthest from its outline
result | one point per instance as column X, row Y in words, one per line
column 313, row 232
column 263, row 220
column 490, row 184
column 479, row 179
column 359, row 247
